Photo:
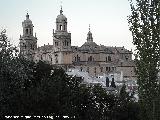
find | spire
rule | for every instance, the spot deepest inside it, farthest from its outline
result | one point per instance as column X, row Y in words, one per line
column 27, row 16
column 89, row 35
column 61, row 11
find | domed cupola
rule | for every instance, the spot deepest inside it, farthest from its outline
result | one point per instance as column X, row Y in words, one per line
column 27, row 21
column 61, row 17
column 61, row 22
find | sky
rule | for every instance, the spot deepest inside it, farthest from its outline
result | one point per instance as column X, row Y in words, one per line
column 107, row 18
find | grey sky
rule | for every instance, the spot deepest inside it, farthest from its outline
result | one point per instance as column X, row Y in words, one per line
column 108, row 19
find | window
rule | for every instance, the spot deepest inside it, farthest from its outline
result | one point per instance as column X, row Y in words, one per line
column 81, row 69
column 26, row 31
column 95, row 70
column 56, row 43
column 60, row 27
column 106, row 68
column 106, row 59
column 112, row 68
column 109, row 68
column 101, row 69
column 109, row 58
column 88, row 69
column 41, row 57
column 90, row 59
column 126, row 58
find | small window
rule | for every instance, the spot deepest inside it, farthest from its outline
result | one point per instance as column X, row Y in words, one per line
column 106, row 68
column 88, row 69
column 41, row 57
column 112, row 68
column 78, row 58
column 126, row 58
column 56, row 43
column 60, row 27
column 26, row 31
column 101, row 69
column 106, row 59
column 109, row 58
column 90, row 59
column 95, row 70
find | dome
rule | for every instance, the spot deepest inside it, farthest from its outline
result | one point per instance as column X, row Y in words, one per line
column 89, row 46
column 61, row 17
column 27, row 21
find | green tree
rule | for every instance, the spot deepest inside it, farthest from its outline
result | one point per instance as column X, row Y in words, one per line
column 145, row 27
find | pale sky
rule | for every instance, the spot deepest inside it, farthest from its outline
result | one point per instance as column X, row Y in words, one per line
column 108, row 20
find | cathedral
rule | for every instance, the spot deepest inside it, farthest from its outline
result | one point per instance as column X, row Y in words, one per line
column 95, row 59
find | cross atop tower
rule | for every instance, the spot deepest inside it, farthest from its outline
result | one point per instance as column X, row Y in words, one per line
column 61, row 11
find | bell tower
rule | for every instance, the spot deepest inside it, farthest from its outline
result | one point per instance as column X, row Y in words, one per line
column 28, row 42
column 61, row 37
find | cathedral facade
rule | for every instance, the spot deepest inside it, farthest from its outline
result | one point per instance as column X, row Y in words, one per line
column 90, row 57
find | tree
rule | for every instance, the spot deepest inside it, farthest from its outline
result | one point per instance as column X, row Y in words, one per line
column 145, row 27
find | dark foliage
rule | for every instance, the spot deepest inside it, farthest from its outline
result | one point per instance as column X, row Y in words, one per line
column 29, row 88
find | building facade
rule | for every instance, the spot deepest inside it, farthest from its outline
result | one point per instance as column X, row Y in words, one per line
column 90, row 57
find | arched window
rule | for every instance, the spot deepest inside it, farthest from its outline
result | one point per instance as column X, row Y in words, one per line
column 81, row 69
column 106, row 68
column 78, row 58
column 109, row 58
column 26, row 31
column 101, row 69
column 106, row 59
column 56, row 43
column 41, row 57
column 60, row 27
column 95, row 70
column 109, row 69
column 90, row 59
